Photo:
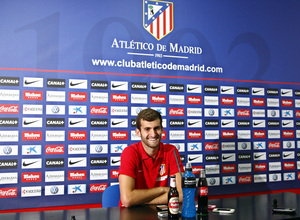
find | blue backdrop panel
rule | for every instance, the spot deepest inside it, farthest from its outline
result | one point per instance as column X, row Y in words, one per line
column 74, row 74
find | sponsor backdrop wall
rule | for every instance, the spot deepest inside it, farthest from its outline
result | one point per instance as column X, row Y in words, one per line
column 74, row 75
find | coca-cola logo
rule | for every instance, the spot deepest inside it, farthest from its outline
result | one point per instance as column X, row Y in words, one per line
column 97, row 188
column 8, row 192
column 9, row 109
column 54, row 149
column 245, row 179
column 243, row 113
column 212, row 146
column 203, row 191
column 99, row 110
column 176, row 111
column 274, row 145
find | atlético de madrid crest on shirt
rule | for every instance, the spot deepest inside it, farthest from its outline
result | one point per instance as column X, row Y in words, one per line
column 158, row 18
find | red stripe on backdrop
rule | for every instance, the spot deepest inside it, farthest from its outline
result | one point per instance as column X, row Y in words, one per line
column 151, row 28
column 171, row 17
column 165, row 21
column 157, row 27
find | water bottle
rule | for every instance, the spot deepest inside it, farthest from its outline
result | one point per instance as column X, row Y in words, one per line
column 188, row 189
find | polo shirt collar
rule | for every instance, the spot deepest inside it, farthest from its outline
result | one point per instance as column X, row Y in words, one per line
column 145, row 156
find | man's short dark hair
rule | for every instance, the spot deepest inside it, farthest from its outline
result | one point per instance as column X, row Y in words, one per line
column 147, row 114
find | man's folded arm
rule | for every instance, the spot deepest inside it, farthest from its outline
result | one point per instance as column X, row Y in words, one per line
column 131, row 196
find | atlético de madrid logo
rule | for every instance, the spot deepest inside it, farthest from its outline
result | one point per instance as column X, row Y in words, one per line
column 158, row 18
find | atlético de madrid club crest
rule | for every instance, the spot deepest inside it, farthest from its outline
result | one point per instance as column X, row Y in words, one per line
column 158, row 18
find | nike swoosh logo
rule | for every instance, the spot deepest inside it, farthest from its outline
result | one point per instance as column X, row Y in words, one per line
column 156, row 87
column 226, row 123
column 256, row 91
column 227, row 157
column 283, row 93
column 75, row 84
column 29, row 122
column 115, row 161
column 258, row 156
column 118, row 85
column 193, row 158
column 191, row 89
column 225, row 90
column 284, row 124
column 76, row 122
column 116, row 123
column 30, row 82
column 257, row 123
column 28, row 164
column 286, row 155
column 192, row 123
column 74, row 162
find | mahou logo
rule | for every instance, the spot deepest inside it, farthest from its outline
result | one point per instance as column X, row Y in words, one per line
column 78, row 96
column 99, row 110
column 260, row 167
column 54, row 149
column 9, row 109
column 176, row 111
column 158, row 99
column 245, row 179
column 32, row 136
column 77, row 135
column 229, row 168
column 227, row 101
column 31, row 177
column 97, row 188
column 33, row 95
column 287, row 103
column 297, row 113
column 228, row 134
column 194, row 134
column 114, row 174
column 288, row 134
column 289, row 165
column 8, row 192
column 119, row 97
column 212, row 146
column 77, row 175
column 243, row 113
column 119, row 135
column 194, row 100
column 258, row 102
column 259, row 134
column 274, row 145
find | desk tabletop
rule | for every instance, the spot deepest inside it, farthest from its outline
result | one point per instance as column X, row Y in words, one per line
column 258, row 207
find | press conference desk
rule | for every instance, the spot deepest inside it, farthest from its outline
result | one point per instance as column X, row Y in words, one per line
column 246, row 208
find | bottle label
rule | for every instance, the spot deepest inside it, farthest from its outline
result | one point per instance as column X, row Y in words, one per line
column 203, row 191
column 174, row 205
column 188, row 182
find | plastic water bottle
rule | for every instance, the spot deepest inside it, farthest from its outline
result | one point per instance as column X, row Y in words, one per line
column 188, row 189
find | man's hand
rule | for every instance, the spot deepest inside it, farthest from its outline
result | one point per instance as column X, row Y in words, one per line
column 158, row 195
column 131, row 196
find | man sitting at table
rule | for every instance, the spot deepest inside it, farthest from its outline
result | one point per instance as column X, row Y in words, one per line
column 147, row 165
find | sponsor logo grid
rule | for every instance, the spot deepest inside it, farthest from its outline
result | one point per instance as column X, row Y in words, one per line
column 69, row 134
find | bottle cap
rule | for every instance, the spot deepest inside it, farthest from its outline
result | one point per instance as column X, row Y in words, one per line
column 188, row 166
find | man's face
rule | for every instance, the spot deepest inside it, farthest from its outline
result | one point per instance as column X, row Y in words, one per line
column 150, row 133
